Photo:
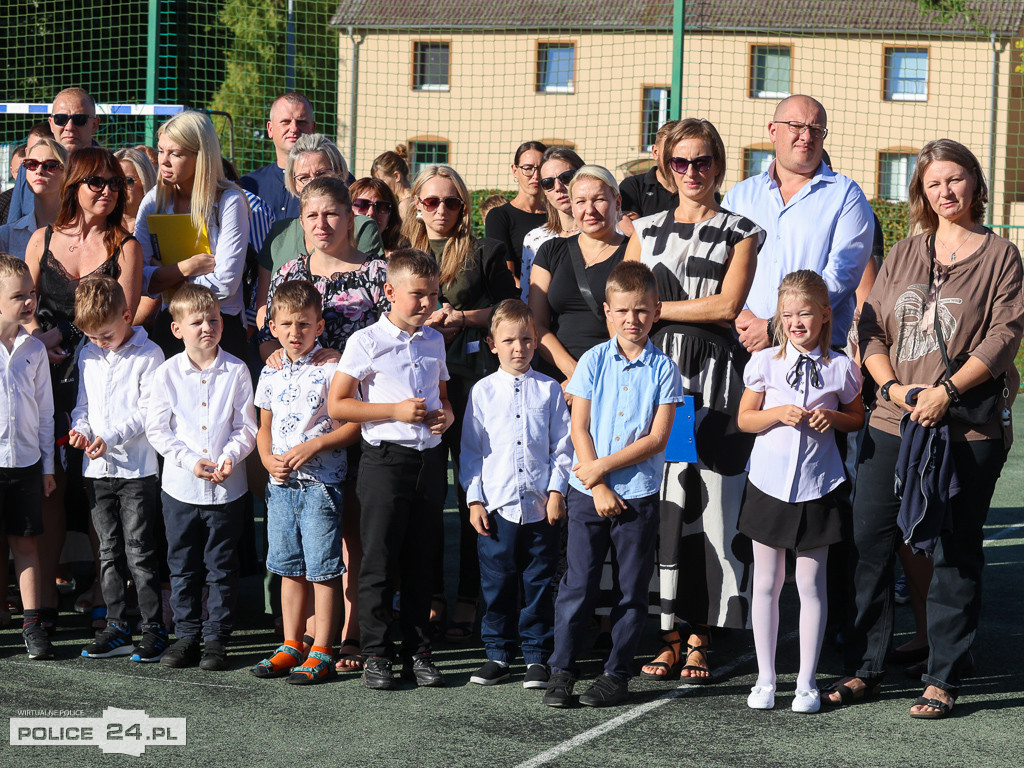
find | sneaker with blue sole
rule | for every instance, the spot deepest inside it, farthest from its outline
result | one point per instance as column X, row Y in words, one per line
column 112, row 641
column 153, row 644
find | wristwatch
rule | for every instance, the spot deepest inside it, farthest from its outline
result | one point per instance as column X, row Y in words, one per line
column 884, row 391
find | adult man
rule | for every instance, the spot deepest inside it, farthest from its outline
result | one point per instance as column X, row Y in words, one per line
column 814, row 219
column 291, row 116
column 5, row 197
column 648, row 193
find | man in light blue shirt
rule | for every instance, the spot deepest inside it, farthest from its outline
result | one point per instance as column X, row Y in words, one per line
column 814, row 219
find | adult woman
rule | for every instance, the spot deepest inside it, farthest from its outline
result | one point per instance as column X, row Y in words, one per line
column 956, row 285
column 704, row 259
column 557, row 167
column 509, row 223
column 568, row 276
column 474, row 277
column 392, row 167
column 139, row 178
column 44, row 171
column 372, row 197
column 313, row 155
column 192, row 182
column 87, row 238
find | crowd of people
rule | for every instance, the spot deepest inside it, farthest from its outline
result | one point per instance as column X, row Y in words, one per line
column 178, row 341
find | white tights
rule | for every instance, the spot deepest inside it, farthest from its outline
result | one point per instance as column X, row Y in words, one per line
column 769, row 574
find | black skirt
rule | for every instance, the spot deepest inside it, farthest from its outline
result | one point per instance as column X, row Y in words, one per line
column 801, row 525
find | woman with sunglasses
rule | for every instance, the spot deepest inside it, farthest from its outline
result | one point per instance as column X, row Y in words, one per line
column 474, row 277
column 568, row 277
column 372, row 197
column 509, row 223
column 139, row 178
column 312, row 156
column 44, row 171
column 704, row 259
column 88, row 238
column 557, row 167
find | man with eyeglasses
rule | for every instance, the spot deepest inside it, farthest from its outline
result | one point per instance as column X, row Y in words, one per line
column 291, row 116
column 813, row 218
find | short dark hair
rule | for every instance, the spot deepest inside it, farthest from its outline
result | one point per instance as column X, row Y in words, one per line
column 526, row 146
column 411, row 262
column 296, row 296
column 631, row 277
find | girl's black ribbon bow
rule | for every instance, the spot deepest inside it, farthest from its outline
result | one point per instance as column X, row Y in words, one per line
column 794, row 375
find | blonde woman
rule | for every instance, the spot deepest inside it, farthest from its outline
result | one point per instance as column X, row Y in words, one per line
column 44, row 166
column 192, row 181
column 139, row 178
column 474, row 277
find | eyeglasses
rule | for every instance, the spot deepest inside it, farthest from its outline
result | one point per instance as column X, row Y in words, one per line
column 815, row 131
column 361, row 205
column 98, row 183
column 451, row 203
column 46, row 166
column 529, row 170
column 700, row 164
column 79, row 120
column 548, row 182
column 304, row 179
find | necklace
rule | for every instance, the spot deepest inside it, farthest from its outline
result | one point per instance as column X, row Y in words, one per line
column 952, row 251
column 597, row 254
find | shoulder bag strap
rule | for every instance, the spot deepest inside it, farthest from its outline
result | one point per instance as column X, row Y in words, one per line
column 935, row 309
column 578, row 267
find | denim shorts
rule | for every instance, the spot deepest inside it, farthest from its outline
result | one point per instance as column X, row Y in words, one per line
column 304, row 530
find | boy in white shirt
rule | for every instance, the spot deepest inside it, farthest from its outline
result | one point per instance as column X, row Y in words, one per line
column 303, row 450
column 398, row 367
column 120, row 468
column 26, row 442
column 201, row 419
column 516, row 458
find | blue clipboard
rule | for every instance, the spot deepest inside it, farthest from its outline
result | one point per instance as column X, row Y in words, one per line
column 681, row 443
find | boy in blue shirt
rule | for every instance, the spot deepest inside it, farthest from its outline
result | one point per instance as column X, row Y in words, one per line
column 625, row 393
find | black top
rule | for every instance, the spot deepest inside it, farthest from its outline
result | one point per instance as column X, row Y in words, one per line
column 643, row 194
column 573, row 322
column 483, row 282
column 5, row 204
column 509, row 225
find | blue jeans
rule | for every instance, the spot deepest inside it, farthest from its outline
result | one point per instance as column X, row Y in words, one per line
column 202, row 548
column 304, row 530
column 515, row 556
column 631, row 536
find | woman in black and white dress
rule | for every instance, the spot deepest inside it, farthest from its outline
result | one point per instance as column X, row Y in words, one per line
column 703, row 258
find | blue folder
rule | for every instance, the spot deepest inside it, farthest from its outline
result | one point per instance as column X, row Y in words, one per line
column 681, row 445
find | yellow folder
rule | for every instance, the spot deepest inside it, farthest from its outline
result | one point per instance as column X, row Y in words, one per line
column 175, row 239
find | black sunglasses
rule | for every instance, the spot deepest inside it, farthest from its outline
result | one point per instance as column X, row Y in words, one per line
column 547, row 183
column 79, row 119
column 700, row 164
column 97, row 183
column 361, row 204
column 431, row 204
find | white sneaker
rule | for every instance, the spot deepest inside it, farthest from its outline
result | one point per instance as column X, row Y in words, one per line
column 807, row 702
column 761, row 697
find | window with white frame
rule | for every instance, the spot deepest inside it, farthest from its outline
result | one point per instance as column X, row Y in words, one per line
column 556, row 67
column 894, row 172
column 756, row 161
column 431, row 66
column 655, row 113
column 906, row 74
column 770, row 71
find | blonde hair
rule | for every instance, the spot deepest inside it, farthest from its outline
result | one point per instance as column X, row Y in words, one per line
column 12, row 266
column 604, row 176
column 297, row 296
column 491, row 202
column 192, row 298
column 313, row 144
column 141, row 163
column 511, row 311
column 459, row 248
column 194, row 132
column 54, row 146
column 98, row 301
column 810, row 287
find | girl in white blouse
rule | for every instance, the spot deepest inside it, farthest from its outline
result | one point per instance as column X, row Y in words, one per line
column 796, row 392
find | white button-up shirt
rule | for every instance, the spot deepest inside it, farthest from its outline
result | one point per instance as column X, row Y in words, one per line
column 297, row 396
column 393, row 366
column 797, row 463
column 113, row 387
column 515, row 445
column 26, row 409
column 206, row 414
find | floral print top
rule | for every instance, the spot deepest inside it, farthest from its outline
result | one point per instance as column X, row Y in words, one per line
column 352, row 300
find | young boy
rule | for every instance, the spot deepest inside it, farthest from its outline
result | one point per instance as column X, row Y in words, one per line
column 26, row 442
column 625, row 393
column 516, row 457
column 115, row 370
column 303, row 449
column 201, row 419
column 398, row 367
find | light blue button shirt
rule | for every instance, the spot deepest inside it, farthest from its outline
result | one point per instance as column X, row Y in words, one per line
column 14, row 237
column 828, row 226
column 623, row 395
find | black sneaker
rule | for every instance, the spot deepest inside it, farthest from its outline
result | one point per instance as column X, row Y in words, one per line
column 184, row 653
column 153, row 644
column 537, row 676
column 112, row 641
column 37, row 642
column 605, row 691
column 491, row 673
column 215, row 656
column 377, row 674
column 421, row 670
column 559, row 692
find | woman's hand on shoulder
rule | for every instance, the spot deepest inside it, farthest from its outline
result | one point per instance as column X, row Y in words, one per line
column 325, row 355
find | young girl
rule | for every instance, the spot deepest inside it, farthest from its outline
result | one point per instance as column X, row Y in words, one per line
column 795, row 393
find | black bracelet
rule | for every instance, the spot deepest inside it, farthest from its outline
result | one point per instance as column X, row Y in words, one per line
column 883, row 391
column 951, row 390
